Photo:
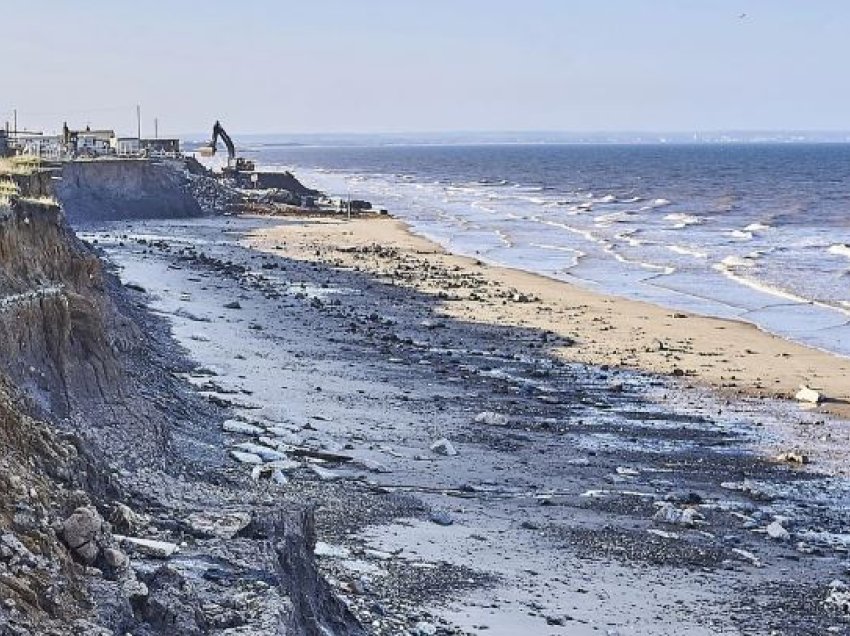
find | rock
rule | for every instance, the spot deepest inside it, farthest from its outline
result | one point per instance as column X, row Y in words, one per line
column 776, row 531
column 133, row 588
column 324, row 474
column 423, row 628
column 323, row 549
column 793, row 457
column 82, row 531
column 172, row 605
column 491, row 418
column 233, row 305
column 838, row 597
column 372, row 465
column 261, row 451
column 443, row 447
column 124, row 519
column 115, row 558
column 268, row 471
column 246, row 458
column 218, row 524
column 149, row 547
column 668, row 513
column 748, row 556
column 805, row 394
column 235, row 426
column 441, row 518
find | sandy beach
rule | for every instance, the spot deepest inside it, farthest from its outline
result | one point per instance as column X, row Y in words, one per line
column 728, row 355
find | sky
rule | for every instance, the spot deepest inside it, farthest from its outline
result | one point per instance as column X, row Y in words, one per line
column 366, row 66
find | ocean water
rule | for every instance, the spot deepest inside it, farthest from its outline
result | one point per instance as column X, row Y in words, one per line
column 755, row 232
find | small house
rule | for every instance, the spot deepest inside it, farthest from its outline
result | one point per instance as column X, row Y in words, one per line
column 160, row 147
column 127, row 147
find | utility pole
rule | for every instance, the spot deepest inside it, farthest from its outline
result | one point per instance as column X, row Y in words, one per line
column 139, row 121
column 155, row 128
column 15, row 120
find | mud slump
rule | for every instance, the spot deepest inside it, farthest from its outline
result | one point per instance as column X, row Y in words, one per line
column 588, row 501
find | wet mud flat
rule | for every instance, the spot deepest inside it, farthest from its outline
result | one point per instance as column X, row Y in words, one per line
column 466, row 479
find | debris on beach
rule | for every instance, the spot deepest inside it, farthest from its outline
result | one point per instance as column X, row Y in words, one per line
column 807, row 394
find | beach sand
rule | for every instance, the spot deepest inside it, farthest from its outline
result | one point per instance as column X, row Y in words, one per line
column 731, row 356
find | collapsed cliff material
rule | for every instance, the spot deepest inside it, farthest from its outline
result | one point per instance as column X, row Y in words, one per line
column 65, row 338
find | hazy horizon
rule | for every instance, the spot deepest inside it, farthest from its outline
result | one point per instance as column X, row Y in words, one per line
column 331, row 67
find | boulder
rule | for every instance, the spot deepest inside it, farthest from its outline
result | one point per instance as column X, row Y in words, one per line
column 83, row 532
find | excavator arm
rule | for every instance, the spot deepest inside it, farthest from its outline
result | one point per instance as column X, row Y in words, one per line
column 218, row 131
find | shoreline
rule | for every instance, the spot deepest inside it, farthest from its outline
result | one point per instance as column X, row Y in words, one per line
column 607, row 330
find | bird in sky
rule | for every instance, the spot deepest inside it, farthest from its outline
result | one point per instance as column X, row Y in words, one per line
column 742, row 16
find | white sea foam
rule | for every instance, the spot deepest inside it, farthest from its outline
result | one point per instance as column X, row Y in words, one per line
column 840, row 250
column 756, row 227
column 734, row 261
column 683, row 220
column 687, row 251
column 741, row 235
column 660, row 203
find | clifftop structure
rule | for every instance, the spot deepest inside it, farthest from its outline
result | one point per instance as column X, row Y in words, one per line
column 72, row 144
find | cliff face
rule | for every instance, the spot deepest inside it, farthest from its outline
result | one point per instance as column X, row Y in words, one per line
column 92, row 191
column 54, row 338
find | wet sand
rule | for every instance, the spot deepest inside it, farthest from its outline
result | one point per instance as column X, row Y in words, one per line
column 735, row 357
column 552, row 516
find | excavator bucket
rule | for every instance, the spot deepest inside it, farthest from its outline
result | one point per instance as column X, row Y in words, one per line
column 206, row 151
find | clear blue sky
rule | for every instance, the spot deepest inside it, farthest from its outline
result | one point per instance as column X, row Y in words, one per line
column 429, row 65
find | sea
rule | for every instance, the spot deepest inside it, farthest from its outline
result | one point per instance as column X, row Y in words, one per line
column 757, row 232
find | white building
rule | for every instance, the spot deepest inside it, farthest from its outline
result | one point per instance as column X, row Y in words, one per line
column 42, row 146
column 94, row 142
column 127, row 146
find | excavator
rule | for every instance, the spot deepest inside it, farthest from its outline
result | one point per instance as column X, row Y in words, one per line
column 234, row 163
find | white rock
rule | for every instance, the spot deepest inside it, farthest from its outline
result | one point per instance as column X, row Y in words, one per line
column 323, row 549
column 285, row 465
column 219, row 524
column 324, row 474
column 748, row 556
column 668, row 513
column 156, row 549
column 246, row 458
column 805, row 394
column 424, row 629
column 776, row 531
column 491, row 418
column 443, row 447
column 235, row 426
column 838, row 597
column 264, row 452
